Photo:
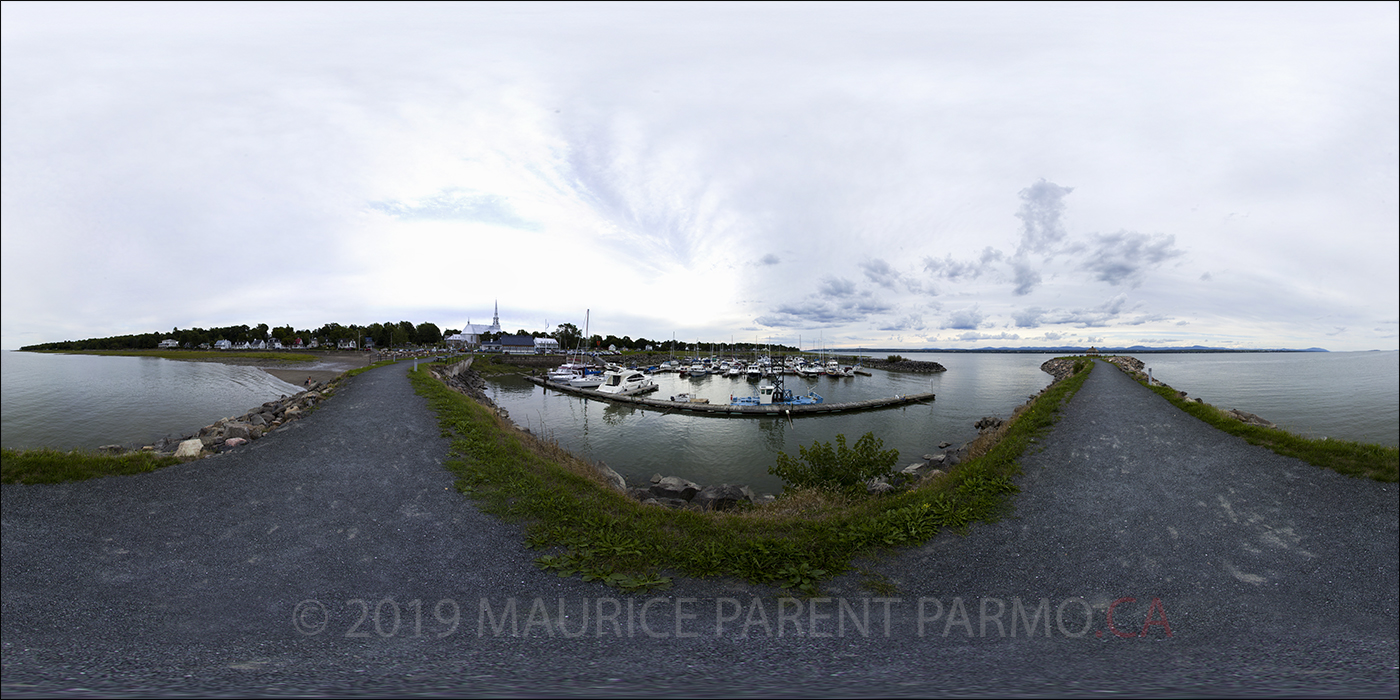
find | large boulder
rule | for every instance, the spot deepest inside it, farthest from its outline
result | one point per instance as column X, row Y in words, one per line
column 189, row 449
column 675, row 487
column 610, row 477
column 238, row 430
column 720, row 497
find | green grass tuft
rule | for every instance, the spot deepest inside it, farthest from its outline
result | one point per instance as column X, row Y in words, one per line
column 47, row 466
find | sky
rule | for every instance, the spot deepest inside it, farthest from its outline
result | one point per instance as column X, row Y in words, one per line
column 830, row 175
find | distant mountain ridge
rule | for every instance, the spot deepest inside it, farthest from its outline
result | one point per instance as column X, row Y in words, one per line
column 1080, row 349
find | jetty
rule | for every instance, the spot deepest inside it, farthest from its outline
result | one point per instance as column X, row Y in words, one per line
column 724, row 409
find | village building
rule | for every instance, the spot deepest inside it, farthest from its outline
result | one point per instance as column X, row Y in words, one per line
column 169, row 343
column 518, row 344
column 470, row 336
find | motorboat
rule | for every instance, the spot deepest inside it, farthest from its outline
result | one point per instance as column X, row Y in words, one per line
column 626, row 382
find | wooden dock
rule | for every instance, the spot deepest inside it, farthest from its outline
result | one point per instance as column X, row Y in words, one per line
column 721, row 409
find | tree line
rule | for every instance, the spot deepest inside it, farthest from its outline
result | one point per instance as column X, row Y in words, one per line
column 385, row 335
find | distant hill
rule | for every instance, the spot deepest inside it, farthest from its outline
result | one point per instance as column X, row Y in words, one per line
column 1078, row 350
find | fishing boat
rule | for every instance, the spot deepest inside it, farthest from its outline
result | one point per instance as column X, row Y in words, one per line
column 773, row 393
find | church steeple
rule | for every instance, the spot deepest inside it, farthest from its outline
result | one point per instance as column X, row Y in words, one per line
column 496, row 319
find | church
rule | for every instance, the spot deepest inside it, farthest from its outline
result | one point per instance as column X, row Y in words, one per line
column 470, row 337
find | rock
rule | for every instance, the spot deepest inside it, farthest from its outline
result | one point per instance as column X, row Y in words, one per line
column 675, row 487
column 238, row 430
column 938, row 458
column 111, row 449
column 878, row 486
column 655, row 478
column 210, row 439
column 189, row 449
column 944, row 445
column 913, row 469
column 235, row 442
column 987, row 423
column 721, row 497
column 640, row 494
column 932, row 475
column 1249, row 418
column 258, row 419
column 672, row 502
column 610, row 477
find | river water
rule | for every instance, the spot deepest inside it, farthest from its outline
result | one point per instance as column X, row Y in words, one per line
column 67, row 401
column 84, row 401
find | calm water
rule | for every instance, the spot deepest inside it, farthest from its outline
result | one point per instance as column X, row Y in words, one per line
column 83, row 401
column 1342, row 395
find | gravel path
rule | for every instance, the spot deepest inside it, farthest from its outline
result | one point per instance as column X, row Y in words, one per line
column 278, row 569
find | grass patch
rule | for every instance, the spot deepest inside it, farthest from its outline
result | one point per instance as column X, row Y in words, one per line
column 802, row 539
column 48, row 466
column 194, row 354
column 1356, row 459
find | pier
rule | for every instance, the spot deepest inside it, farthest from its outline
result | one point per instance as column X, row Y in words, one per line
column 724, row 409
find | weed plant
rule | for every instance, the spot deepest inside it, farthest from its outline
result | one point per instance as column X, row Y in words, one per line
column 802, row 539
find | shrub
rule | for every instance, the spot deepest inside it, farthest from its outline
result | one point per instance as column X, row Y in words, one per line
column 894, row 358
column 843, row 469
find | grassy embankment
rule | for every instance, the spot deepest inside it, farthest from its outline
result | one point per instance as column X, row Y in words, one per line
column 803, row 538
column 195, row 355
column 1351, row 458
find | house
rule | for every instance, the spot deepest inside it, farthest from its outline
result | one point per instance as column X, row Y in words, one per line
column 544, row 346
column 222, row 344
column 347, row 345
column 169, row 343
column 518, row 344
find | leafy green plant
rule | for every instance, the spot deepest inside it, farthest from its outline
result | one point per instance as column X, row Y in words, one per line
column 841, row 469
column 894, row 358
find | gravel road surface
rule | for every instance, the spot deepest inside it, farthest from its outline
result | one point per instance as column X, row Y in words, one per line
column 1148, row 554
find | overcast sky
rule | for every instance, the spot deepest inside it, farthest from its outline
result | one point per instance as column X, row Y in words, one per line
column 901, row 175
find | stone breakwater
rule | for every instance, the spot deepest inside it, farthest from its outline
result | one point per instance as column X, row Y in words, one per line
column 228, row 433
column 916, row 366
column 1063, row 367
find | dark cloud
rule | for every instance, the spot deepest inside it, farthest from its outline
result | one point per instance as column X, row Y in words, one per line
column 1028, row 318
column 911, row 322
column 966, row 319
column 1123, row 257
column 458, row 205
column 880, row 272
column 836, row 287
column 1041, row 207
column 1025, row 276
column 769, row 259
column 816, row 312
column 956, row 270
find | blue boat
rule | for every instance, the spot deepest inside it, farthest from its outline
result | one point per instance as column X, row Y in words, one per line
column 773, row 394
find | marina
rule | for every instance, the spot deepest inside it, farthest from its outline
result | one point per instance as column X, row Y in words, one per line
column 705, row 408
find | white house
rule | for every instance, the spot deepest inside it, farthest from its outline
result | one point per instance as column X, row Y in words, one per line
column 545, row 346
column 222, row 344
column 169, row 343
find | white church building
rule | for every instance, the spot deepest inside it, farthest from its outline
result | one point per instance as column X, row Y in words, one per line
column 470, row 337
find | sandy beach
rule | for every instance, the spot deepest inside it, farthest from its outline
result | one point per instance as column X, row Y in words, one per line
column 327, row 365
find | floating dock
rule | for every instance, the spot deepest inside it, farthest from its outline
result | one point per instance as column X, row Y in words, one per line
column 724, row 409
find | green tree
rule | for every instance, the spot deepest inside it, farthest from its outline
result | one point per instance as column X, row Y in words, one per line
column 568, row 335
column 428, row 334
column 843, row 469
